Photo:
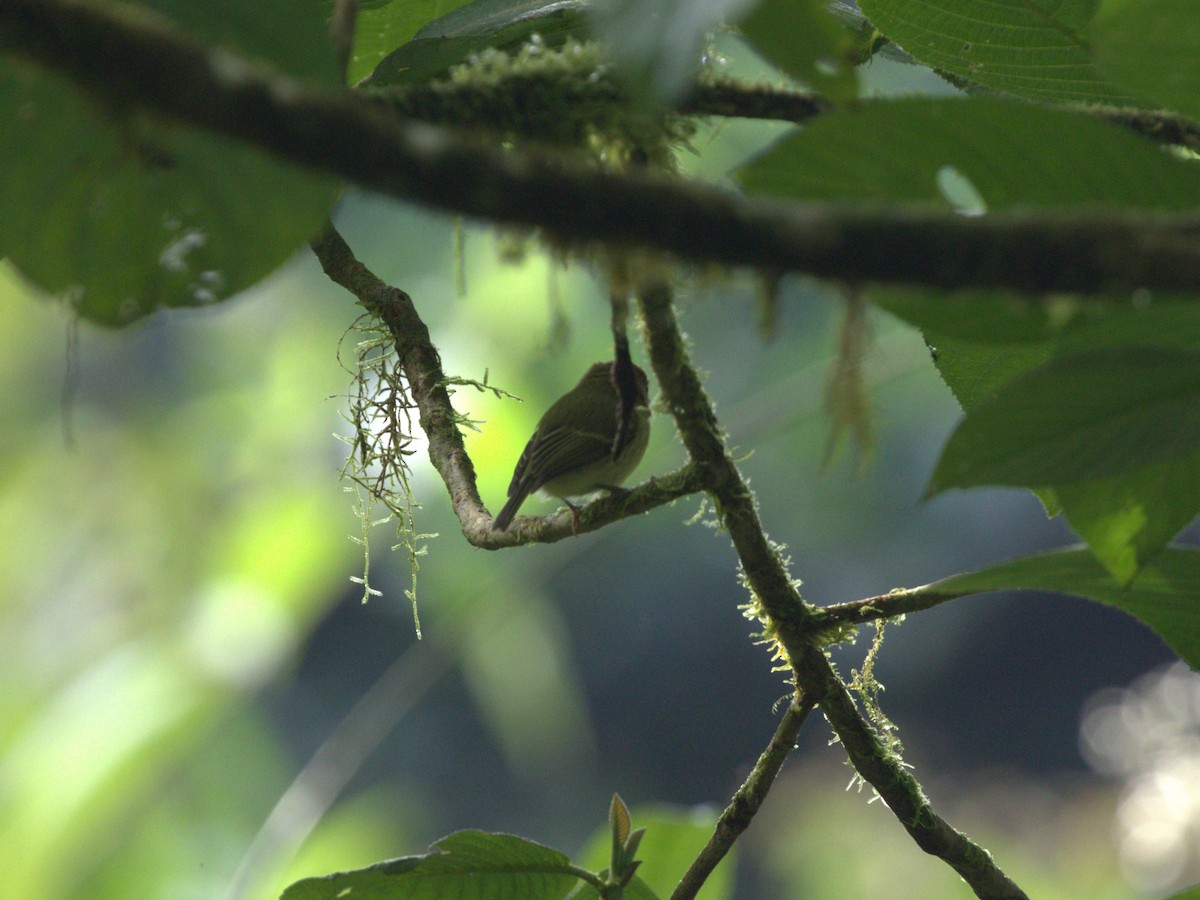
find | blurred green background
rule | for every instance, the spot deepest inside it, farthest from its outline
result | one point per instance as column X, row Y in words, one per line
column 180, row 635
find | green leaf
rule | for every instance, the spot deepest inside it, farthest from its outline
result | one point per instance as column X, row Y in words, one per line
column 975, row 372
column 1150, row 321
column 130, row 216
column 635, row 890
column 1127, row 521
column 907, row 150
column 1073, row 324
column 983, row 317
column 978, row 336
column 502, row 24
column 1092, row 415
column 482, row 18
column 291, row 36
column 802, row 38
column 618, row 825
column 1149, row 48
column 674, row 837
column 127, row 214
column 1165, row 595
column 659, row 43
column 467, row 865
column 385, row 27
column 1034, row 48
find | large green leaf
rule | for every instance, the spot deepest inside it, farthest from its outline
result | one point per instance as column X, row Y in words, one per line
column 1165, row 321
column 1128, row 520
column 1087, row 416
column 985, row 317
column 386, row 26
column 1012, row 154
column 289, row 35
column 1074, row 324
column 1149, row 48
column 1132, row 517
column 975, row 372
column 128, row 214
column 450, row 39
column 1165, row 595
column 1031, row 48
column 983, row 340
column 805, row 40
column 467, row 865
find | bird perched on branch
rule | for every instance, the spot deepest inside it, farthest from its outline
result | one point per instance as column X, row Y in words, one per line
column 590, row 439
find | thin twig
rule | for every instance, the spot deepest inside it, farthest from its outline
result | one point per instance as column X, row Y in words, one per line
column 884, row 606
column 745, row 802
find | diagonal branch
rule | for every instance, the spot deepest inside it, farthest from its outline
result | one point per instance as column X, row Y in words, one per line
column 746, row 801
column 143, row 59
column 789, row 619
column 427, row 384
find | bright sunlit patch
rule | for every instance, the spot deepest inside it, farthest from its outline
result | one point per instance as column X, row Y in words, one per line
column 1149, row 737
column 174, row 256
column 960, row 192
column 240, row 633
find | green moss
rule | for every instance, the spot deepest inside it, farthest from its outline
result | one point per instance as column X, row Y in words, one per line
column 567, row 97
column 376, row 471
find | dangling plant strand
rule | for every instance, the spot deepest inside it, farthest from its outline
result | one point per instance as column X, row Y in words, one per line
column 380, row 416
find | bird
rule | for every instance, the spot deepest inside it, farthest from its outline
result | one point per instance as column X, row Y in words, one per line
column 571, row 452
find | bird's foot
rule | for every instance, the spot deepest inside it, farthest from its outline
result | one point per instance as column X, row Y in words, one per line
column 574, row 516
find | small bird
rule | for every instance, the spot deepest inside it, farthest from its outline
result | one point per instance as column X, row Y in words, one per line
column 571, row 451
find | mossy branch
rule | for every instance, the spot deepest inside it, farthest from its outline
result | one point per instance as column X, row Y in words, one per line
column 746, row 800
column 143, row 59
column 884, row 606
column 787, row 619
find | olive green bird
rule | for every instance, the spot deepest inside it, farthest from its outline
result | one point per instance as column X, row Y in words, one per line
column 571, row 453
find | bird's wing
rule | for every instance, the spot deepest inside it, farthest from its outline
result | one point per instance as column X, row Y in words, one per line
column 563, row 450
column 585, row 436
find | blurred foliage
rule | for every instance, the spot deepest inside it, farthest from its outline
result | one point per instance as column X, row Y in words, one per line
column 149, row 214
column 674, row 836
column 1049, row 838
column 181, row 632
column 178, row 632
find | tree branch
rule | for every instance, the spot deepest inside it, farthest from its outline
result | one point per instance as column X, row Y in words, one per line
column 789, row 620
column 143, row 59
column 869, row 609
column 531, row 102
column 427, row 384
column 746, row 801
column 737, row 100
column 1159, row 126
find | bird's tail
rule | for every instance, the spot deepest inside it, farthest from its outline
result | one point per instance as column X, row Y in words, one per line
column 505, row 516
